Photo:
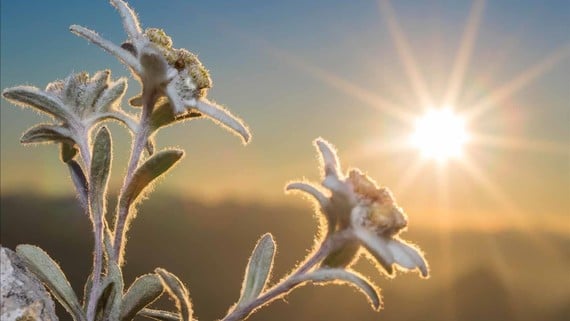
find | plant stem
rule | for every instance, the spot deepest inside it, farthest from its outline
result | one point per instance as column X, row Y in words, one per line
column 139, row 143
column 285, row 286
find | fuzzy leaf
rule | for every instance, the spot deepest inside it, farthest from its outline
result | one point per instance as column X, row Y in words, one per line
column 45, row 133
column 33, row 97
column 48, row 271
column 159, row 315
column 111, row 96
column 258, row 269
column 97, row 85
column 144, row 290
column 345, row 276
column 79, row 181
column 115, row 276
column 105, row 299
column 155, row 166
column 100, row 168
column 178, row 292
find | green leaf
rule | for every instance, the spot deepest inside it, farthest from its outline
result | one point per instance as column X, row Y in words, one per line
column 344, row 276
column 42, row 101
column 144, row 290
column 48, row 271
column 100, row 168
column 258, row 269
column 178, row 292
column 45, row 133
column 159, row 315
column 155, row 166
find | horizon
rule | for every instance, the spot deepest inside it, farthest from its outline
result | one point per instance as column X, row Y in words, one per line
column 358, row 77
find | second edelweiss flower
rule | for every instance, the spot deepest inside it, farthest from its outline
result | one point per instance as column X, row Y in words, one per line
column 365, row 213
column 164, row 71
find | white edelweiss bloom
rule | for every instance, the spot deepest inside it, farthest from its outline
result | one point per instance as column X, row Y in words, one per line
column 164, row 70
column 77, row 103
column 355, row 204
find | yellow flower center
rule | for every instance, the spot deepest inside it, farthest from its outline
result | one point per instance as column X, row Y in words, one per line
column 180, row 59
column 383, row 215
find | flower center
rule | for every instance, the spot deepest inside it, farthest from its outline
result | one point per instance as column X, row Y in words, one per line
column 382, row 215
column 181, row 59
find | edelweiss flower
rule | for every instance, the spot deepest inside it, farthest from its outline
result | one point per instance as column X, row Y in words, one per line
column 164, row 70
column 78, row 103
column 366, row 213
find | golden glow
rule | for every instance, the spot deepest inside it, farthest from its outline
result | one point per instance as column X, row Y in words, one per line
column 440, row 134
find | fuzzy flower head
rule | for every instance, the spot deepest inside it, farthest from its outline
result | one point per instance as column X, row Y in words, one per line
column 77, row 104
column 164, row 71
column 354, row 205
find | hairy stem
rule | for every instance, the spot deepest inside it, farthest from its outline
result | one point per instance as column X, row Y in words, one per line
column 139, row 143
column 289, row 283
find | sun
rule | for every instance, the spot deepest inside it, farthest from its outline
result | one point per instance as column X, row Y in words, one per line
column 440, row 134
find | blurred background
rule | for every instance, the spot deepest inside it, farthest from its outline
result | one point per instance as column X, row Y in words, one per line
column 494, row 220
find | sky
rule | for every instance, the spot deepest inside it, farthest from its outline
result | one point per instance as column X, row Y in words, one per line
column 357, row 73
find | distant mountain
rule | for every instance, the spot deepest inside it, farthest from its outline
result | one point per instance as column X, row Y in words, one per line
column 505, row 275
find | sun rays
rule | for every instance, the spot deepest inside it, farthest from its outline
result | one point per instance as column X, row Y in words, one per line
column 458, row 92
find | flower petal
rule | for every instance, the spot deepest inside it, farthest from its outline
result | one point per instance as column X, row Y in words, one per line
column 407, row 256
column 378, row 247
column 224, row 117
column 311, row 190
column 154, row 65
column 129, row 17
column 123, row 55
column 177, row 104
column 329, row 158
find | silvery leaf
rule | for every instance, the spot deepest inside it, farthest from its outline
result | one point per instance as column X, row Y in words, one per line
column 258, row 269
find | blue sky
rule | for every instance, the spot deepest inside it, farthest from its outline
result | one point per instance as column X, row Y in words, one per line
column 297, row 70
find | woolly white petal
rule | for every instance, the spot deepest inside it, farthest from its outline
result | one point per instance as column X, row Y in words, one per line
column 377, row 247
column 154, row 66
column 334, row 184
column 172, row 92
column 329, row 158
column 129, row 17
column 224, row 117
column 123, row 55
column 407, row 256
column 309, row 189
